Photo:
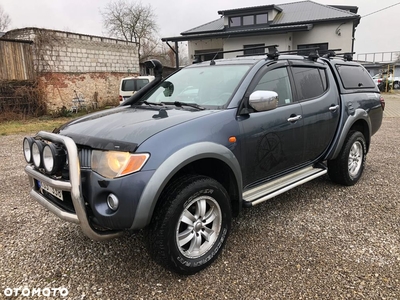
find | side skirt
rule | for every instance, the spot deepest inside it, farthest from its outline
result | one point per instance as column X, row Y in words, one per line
column 278, row 186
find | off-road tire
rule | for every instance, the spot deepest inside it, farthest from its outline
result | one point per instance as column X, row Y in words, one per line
column 197, row 196
column 348, row 167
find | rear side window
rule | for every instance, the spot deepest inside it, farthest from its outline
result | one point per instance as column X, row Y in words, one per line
column 129, row 85
column 310, row 82
column 354, row 77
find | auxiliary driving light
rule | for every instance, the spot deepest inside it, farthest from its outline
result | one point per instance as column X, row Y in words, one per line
column 37, row 149
column 112, row 202
column 53, row 158
column 27, row 148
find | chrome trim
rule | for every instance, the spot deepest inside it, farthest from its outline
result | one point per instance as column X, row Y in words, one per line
column 74, row 186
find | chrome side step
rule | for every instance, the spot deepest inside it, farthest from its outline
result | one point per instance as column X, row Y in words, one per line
column 278, row 186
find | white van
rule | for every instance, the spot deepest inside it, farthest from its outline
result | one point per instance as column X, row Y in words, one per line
column 130, row 85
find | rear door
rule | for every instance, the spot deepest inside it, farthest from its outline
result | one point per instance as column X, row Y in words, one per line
column 319, row 99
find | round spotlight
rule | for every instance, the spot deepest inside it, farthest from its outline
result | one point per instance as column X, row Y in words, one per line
column 37, row 148
column 112, row 202
column 27, row 148
column 53, row 158
column 48, row 158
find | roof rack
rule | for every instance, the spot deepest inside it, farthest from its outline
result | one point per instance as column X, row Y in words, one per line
column 272, row 53
column 347, row 56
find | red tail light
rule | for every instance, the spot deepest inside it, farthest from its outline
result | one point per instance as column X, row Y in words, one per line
column 379, row 80
column 120, row 98
column 382, row 102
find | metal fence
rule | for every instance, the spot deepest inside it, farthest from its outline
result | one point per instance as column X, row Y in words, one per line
column 16, row 60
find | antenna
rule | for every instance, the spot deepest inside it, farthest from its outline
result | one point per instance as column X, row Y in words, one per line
column 212, row 62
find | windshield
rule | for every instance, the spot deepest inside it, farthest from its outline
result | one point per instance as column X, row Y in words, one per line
column 208, row 86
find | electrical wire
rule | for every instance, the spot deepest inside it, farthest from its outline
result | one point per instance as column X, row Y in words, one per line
column 380, row 10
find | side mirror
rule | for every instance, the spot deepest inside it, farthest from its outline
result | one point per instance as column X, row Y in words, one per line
column 263, row 100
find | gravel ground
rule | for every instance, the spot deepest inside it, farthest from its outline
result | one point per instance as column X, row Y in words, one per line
column 320, row 240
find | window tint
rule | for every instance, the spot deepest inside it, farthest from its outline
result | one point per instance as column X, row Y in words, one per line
column 277, row 80
column 310, row 82
column 262, row 19
column 248, row 20
column 355, row 77
column 235, row 21
column 141, row 83
column 128, row 85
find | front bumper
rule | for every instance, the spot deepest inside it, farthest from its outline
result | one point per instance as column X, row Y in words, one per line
column 73, row 186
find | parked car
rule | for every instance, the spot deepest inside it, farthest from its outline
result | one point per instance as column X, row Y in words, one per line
column 383, row 81
column 184, row 155
column 130, row 85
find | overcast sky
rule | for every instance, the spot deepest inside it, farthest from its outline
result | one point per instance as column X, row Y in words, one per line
column 379, row 32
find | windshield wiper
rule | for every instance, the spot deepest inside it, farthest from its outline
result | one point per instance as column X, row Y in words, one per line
column 151, row 103
column 180, row 104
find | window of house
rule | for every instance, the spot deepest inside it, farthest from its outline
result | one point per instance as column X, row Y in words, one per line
column 277, row 80
column 249, row 51
column 235, row 21
column 248, row 20
column 310, row 82
column 355, row 77
column 322, row 48
column 262, row 19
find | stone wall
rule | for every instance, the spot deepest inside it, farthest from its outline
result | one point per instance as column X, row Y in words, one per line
column 91, row 65
column 100, row 89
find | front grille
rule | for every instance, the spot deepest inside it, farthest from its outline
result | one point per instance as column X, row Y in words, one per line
column 85, row 156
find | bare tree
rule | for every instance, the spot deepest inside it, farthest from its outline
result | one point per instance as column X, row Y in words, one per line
column 131, row 21
column 4, row 19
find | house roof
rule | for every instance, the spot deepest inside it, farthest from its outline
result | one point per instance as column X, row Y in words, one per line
column 289, row 19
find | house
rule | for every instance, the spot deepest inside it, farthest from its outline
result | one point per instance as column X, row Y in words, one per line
column 291, row 26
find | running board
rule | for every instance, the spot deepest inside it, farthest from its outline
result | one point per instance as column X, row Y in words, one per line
column 278, row 186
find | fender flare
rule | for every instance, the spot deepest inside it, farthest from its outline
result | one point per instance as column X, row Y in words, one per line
column 171, row 166
column 359, row 114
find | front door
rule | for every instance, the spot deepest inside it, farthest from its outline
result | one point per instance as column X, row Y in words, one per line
column 273, row 140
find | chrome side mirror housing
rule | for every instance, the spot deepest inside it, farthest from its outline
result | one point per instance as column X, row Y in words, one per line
column 263, row 100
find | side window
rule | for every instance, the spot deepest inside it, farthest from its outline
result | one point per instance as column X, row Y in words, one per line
column 355, row 77
column 310, row 82
column 277, row 80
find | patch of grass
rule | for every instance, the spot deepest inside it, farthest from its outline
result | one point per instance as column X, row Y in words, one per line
column 31, row 125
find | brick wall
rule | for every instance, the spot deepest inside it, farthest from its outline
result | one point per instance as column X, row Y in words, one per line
column 90, row 65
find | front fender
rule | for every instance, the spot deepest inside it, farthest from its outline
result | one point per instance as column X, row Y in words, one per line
column 171, row 166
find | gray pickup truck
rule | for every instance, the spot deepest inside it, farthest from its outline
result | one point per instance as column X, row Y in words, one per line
column 186, row 153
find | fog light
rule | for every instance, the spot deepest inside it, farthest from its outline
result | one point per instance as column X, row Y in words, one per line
column 27, row 148
column 112, row 202
column 37, row 148
column 53, row 158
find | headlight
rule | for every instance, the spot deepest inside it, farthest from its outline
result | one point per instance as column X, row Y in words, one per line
column 53, row 158
column 37, row 148
column 113, row 164
column 27, row 148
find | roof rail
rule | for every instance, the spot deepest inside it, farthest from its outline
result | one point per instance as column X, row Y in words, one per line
column 347, row 56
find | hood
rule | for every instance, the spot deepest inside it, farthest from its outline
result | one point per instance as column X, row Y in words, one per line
column 124, row 128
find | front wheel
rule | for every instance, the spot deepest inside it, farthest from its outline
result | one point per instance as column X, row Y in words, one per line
column 396, row 85
column 348, row 167
column 191, row 225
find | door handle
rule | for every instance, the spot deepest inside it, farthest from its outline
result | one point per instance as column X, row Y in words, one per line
column 294, row 119
column 333, row 107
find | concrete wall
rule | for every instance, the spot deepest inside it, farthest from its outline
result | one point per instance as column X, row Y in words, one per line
column 327, row 33
column 204, row 45
column 283, row 40
column 68, row 61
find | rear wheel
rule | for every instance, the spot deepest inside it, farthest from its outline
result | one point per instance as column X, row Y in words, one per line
column 396, row 85
column 191, row 226
column 347, row 168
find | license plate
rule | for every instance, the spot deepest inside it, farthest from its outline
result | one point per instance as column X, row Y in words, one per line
column 51, row 190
